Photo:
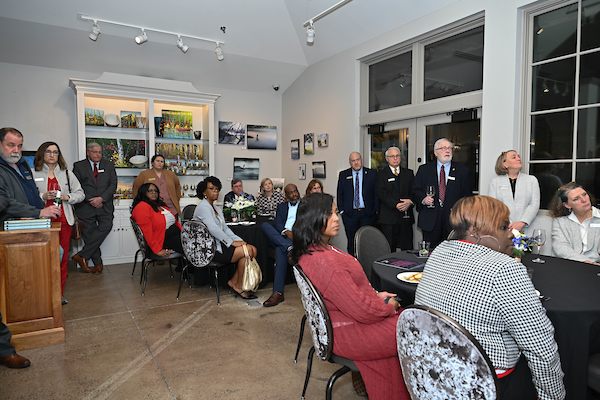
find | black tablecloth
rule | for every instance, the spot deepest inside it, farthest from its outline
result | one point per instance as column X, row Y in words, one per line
column 573, row 308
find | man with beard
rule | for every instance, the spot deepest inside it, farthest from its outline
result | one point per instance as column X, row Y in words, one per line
column 280, row 236
column 16, row 181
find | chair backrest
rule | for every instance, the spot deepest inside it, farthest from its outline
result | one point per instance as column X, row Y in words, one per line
column 188, row 212
column 440, row 359
column 370, row 244
column 198, row 244
column 139, row 235
column 316, row 313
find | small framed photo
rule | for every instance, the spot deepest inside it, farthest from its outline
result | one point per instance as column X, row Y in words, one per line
column 309, row 143
column 302, row 172
column 318, row 169
column 323, row 139
column 295, row 149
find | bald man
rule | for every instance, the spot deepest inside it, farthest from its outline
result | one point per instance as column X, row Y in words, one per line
column 356, row 197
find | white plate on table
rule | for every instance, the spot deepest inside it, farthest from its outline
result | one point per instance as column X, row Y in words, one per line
column 246, row 223
column 410, row 277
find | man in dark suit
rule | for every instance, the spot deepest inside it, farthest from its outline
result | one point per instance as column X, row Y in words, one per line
column 99, row 182
column 280, row 237
column 237, row 190
column 451, row 181
column 356, row 199
column 394, row 186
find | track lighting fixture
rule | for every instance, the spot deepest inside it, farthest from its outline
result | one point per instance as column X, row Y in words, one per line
column 182, row 46
column 310, row 33
column 143, row 38
column 219, row 52
column 95, row 31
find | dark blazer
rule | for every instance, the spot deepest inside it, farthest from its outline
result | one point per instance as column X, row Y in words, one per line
column 105, row 187
column 457, row 187
column 389, row 194
column 345, row 192
column 281, row 217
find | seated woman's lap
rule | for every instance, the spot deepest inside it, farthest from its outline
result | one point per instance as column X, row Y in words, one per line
column 173, row 239
column 226, row 257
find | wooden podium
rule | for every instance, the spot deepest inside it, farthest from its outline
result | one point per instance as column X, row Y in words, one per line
column 30, row 294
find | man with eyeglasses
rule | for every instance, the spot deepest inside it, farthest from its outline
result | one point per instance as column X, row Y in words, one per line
column 16, row 181
column 99, row 182
column 280, row 236
column 450, row 180
column 394, row 186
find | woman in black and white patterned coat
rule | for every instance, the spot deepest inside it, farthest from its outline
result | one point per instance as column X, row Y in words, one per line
column 475, row 282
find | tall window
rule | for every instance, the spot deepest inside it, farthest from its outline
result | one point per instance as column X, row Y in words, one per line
column 564, row 114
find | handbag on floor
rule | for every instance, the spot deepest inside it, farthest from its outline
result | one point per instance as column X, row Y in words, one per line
column 252, row 274
column 77, row 224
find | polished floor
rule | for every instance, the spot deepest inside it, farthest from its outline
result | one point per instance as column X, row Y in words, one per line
column 121, row 345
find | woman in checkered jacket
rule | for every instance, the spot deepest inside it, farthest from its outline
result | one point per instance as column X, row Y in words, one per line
column 474, row 281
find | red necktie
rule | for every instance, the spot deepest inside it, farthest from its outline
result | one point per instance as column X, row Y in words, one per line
column 442, row 184
column 96, row 172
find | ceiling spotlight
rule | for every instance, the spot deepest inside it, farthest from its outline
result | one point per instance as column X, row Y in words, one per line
column 310, row 33
column 95, row 31
column 143, row 38
column 219, row 53
column 181, row 45
column 545, row 87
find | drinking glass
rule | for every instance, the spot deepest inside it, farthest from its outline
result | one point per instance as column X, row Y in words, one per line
column 431, row 193
column 539, row 236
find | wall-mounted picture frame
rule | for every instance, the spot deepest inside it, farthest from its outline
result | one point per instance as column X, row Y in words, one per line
column 302, row 171
column 261, row 137
column 318, row 169
column 323, row 139
column 232, row 133
column 246, row 168
column 295, row 149
column 309, row 143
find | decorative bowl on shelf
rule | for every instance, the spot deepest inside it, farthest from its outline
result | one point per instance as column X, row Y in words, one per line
column 139, row 161
column 112, row 120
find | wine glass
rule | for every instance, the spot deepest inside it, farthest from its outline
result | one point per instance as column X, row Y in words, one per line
column 431, row 193
column 539, row 236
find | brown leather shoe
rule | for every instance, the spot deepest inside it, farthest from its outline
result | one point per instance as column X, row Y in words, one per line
column 98, row 269
column 82, row 263
column 15, row 361
column 275, row 299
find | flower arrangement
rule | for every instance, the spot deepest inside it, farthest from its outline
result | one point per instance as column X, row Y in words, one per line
column 245, row 207
column 521, row 243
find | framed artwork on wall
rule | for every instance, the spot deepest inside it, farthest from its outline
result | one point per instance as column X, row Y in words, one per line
column 295, row 149
column 318, row 169
column 323, row 139
column 232, row 133
column 309, row 140
column 246, row 168
column 261, row 137
column 302, row 171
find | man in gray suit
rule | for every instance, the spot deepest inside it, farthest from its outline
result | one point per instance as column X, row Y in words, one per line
column 99, row 182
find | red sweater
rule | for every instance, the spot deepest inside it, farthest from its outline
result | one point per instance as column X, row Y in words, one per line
column 153, row 225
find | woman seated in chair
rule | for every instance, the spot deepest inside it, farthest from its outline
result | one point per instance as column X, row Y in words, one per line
column 364, row 321
column 229, row 245
column 575, row 233
column 474, row 281
column 159, row 225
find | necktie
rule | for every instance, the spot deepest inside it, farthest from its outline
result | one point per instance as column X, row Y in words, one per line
column 96, row 172
column 442, row 184
column 356, row 192
column 396, row 171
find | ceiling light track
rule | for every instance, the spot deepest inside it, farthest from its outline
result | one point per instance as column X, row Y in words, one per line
column 310, row 32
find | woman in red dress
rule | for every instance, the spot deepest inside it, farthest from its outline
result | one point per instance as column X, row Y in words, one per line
column 363, row 320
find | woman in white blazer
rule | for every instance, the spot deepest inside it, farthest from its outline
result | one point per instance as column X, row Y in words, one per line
column 576, row 224
column 520, row 192
column 49, row 180
column 229, row 245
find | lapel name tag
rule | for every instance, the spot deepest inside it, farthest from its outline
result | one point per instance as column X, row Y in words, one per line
column 151, row 179
column 501, row 187
column 100, row 170
column 596, row 225
column 451, row 178
column 349, row 177
column 39, row 179
column 391, row 179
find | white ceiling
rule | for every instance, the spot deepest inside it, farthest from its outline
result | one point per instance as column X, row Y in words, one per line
column 265, row 41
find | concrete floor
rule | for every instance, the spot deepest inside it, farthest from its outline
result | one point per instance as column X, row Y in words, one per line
column 121, row 345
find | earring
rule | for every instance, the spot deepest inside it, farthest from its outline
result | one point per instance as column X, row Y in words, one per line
column 499, row 248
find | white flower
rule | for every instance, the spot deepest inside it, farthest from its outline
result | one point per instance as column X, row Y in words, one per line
column 516, row 233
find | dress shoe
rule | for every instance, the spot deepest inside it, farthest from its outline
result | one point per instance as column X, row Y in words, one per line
column 15, row 361
column 98, row 269
column 82, row 263
column 275, row 299
column 63, row 301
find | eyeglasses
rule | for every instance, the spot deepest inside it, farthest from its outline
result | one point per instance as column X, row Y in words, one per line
column 152, row 191
column 394, row 156
column 445, row 148
column 53, row 152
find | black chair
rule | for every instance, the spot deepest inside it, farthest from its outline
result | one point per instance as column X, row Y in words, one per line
column 321, row 330
column 370, row 244
column 188, row 212
column 199, row 247
column 441, row 359
column 148, row 256
column 594, row 372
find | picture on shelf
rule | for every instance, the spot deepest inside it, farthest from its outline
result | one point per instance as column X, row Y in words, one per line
column 183, row 150
column 119, row 151
column 295, row 149
column 94, row 117
column 177, row 124
column 302, row 171
column 309, row 140
column 128, row 118
column 159, row 126
column 318, row 169
column 262, row 137
column 124, row 187
column 232, row 133
column 323, row 139
column 246, row 168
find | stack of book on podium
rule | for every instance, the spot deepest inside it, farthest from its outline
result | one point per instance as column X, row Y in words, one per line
column 14, row 224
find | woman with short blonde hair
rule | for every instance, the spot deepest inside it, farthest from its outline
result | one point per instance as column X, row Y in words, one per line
column 269, row 198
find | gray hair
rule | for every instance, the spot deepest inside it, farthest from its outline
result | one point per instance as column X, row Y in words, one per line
column 435, row 145
column 91, row 145
column 390, row 148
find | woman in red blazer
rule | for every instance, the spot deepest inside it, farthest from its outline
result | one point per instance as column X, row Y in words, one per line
column 159, row 225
